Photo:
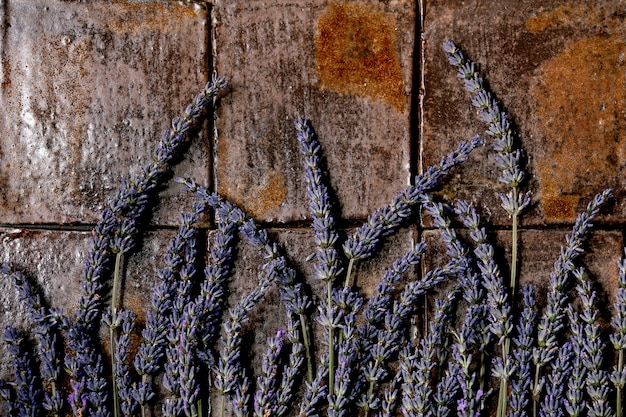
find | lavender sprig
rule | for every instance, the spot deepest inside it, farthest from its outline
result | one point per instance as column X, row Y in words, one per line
column 597, row 379
column 575, row 403
column 265, row 396
column 552, row 404
column 327, row 262
column 500, row 320
column 417, row 362
column 46, row 331
column 618, row 337
column 507, row 157
column 522, row 355
column 551, row 322
column 385, row 220
column 228, row 369
column 128, row 403
column 28, row 392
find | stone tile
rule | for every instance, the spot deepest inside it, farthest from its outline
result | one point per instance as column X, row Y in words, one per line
column 345, row 66
column 87, row 90
column 557, row 69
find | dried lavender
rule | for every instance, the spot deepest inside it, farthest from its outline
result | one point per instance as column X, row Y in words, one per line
column 327, row 262
column 618, row 338
column 417, row 362
column 522, row 355
column 385, row 220
column 116, row 231
column 128, row 404
column 507, row 157
column 265, row 396
column 551, row 323
column 27, row 386
column 47, row 335
column 229, row 371
column 500, row 320
column 296, row 301
column 574, row 402
column 597, row 379
column 552, row 404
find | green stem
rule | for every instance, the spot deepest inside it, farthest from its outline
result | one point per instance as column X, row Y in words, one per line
column 483, row 371
column 349, row 281
column 307, row 348
column 223, row 405
column 620, row 367
column 116, row 400
column 119, row 259
column 331, row 338
column 514, row 253
column 537, row 394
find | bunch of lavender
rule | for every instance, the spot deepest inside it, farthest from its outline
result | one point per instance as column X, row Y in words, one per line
column 499, row 309
column 618, row 338
column 292, row 293
column 27, row 386
column 551, row 323
column 523, row 342
column 597, row 379
column 417, row 362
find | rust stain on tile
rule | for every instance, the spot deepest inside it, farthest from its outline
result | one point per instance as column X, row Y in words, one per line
column 134, row 17
column 356, row 53
column 259, row 194
column 579, row 102
column 563, row 15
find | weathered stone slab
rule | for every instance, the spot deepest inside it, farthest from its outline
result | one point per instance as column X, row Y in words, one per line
column 87, row 90
column 558, row 70
column 345, row 66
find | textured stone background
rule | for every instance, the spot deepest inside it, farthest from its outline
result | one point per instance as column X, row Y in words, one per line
column 87, row 88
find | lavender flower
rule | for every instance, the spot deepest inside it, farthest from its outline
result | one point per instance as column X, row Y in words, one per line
column 28, row 392
column 597, row 379
column 551, row 322
column 417, row 362
column 265, row 397
column 552, row 404
column 128, row 405
column 314, row 393
column 522, row 355
column 618, row 337
column 386, row 219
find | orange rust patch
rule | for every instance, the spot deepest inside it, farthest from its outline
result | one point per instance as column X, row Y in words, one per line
column 135, row 17
column 579, row 104
column 256, row 198
column 355, row 53
column 563, row 15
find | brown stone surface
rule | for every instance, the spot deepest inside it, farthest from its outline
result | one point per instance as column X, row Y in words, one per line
column 346, row 67
column 87, row 90
column 558, row 69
